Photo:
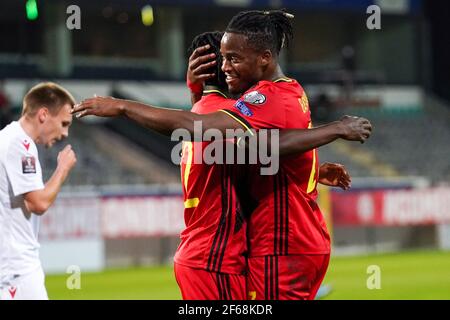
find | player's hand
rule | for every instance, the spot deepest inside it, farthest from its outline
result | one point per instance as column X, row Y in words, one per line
column 355, row 128
column 98, row 106
column 199, row 62
column 334, row 175
column 67, row 158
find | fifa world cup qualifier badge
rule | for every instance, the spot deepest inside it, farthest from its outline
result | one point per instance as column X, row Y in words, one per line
column 28, row 164
column 255, row 97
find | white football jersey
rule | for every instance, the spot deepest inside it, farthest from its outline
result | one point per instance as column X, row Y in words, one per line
column 20, row 173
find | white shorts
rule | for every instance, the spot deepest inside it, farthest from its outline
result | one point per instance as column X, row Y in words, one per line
column 30, row 286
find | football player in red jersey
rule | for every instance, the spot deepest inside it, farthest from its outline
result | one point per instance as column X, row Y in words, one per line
column 289, row 243
column 210, row 262
column 165, row 121
column 198, row 277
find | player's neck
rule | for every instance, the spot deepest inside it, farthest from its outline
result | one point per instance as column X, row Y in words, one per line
column 211, row 87
column 29, row 127
column 273, row 72
column 278, row 73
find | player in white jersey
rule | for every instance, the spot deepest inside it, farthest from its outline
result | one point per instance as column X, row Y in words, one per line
column 23, row 195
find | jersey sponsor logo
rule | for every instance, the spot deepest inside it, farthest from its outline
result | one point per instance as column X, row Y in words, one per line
column 242, row 107
column 28, row 165
column 26, row 144
column 255, row 97
column 12, row 291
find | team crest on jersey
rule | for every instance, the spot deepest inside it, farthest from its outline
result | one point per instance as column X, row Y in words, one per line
column 28, row 165
column 255, row 97
column 242, row 107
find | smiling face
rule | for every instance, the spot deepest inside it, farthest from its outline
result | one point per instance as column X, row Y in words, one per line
column 243, row 66
column 54, row 127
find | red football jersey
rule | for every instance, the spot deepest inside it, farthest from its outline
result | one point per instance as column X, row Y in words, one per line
column 215, row 234
column 285, row 218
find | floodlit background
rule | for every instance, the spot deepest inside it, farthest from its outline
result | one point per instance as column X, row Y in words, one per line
column 118, row 218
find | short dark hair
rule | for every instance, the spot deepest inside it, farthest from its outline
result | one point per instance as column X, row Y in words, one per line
column 212, row 38
column 264, row 29
column 46, row 94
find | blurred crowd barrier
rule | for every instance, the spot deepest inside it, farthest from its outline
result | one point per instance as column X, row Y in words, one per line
column 95, row 230
column 392, row 207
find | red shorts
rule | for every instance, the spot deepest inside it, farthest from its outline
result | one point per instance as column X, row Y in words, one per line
column 199, row 284
column 292, row 277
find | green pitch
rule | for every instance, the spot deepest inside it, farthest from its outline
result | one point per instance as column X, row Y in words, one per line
column 412, row 275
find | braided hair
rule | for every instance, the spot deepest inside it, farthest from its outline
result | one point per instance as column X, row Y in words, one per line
column 264, row 29
column 213, row 39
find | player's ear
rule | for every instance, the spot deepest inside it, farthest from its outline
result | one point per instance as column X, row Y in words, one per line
column 265, row 58
column 42, row 114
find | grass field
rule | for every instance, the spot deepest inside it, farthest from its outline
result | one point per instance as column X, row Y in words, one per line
column 411, row 275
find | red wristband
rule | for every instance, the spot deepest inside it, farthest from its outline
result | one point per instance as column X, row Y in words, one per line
column 196, row 88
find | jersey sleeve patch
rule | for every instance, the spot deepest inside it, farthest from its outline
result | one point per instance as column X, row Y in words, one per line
column 28, row 164
column 243, row 108
column 23, row 168
column 255, row 97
